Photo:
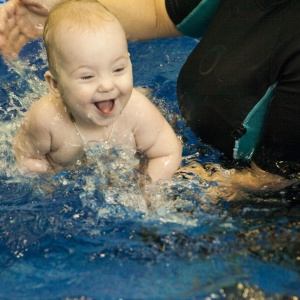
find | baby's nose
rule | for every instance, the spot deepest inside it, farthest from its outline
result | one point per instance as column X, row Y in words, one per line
column 105, row 85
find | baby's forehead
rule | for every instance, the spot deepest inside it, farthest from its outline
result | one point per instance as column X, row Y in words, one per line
column 101, row 30
column 82, row 40
column 89, row 23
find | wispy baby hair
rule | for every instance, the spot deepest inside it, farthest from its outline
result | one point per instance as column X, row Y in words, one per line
column 72, row 14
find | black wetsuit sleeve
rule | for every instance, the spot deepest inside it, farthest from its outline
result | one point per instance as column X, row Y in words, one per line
column 192, row 17
column 178, row 10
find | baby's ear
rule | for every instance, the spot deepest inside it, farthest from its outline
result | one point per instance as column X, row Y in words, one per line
column 52, row 83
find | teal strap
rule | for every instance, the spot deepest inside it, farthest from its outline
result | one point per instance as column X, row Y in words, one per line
column 254, row 125
column 196, row 23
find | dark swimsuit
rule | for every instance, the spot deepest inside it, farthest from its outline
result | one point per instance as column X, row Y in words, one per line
column 239, row 90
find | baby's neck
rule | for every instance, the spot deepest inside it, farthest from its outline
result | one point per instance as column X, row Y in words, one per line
column 84, row 139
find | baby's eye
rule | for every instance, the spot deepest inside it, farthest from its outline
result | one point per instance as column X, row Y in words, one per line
column 86, row 77
column 118, row 70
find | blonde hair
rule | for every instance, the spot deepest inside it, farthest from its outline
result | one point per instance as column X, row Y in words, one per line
column 75, row 14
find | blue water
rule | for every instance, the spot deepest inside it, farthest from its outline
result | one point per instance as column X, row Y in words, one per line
column 85, row 234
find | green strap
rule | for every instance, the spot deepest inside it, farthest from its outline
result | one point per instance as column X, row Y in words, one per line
column 254, row 125
column 196, row 23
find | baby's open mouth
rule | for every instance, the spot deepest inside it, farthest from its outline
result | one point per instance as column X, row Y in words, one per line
column 106, row 106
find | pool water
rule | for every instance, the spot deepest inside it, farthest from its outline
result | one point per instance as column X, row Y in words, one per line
column 86, row 234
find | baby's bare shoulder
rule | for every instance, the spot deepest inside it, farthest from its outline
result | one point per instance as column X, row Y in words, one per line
column 45, row 110
column 48, row 102
column 143, row 114
column 139, row 102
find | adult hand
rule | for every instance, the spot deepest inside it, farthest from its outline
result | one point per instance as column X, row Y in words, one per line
column 21, row 21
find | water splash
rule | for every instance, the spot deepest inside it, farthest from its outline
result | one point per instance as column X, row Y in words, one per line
column 111, row 170
column 81, row 231
column 28, row 83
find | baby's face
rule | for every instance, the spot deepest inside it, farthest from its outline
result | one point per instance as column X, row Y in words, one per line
column 94, row 73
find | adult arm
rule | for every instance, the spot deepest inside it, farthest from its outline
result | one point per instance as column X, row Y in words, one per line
column 23, row 20
column 143, row 19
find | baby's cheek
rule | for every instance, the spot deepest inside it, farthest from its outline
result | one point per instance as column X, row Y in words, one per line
column 84, row 97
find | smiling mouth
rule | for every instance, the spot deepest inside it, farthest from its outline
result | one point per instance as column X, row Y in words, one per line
column 105, row 107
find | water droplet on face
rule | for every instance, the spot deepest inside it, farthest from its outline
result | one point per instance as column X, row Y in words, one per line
column 39, row 27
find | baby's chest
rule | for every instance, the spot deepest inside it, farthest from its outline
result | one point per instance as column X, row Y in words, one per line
column 67, row 146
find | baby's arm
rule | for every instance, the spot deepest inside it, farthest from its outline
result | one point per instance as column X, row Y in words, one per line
column 164, row 155
column 32, row 142
column 157, row 140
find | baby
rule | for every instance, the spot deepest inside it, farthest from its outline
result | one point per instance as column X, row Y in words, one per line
column 91, row 97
